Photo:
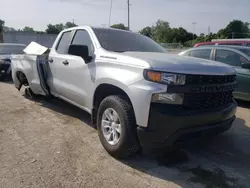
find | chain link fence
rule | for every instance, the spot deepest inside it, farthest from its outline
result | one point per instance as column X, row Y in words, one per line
column 48, row 40
column 27, row 37
column 174, row 48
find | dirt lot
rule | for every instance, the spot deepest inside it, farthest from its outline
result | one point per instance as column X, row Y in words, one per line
column 51, row 144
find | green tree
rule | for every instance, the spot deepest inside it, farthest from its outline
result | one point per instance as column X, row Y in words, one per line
column 54, row 29
column 175, row 34
column 119, row 26
column 147, row 31
column 210, row 37
column 1, row 25
column 39, row 32
column 201, row 38
column 28, row 29
column 1, row 30
column 181, row 35
column 202, row 35
column 162, row 32
column 235, row 29
column 221, row 34
column 69, row 25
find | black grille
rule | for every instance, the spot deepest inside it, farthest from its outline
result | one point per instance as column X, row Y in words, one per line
column 206, row 79
column 207, row 100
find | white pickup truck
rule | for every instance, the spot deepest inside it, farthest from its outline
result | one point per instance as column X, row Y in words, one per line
column 137, row 94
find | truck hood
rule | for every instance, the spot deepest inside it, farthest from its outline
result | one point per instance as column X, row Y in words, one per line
column 181, row 64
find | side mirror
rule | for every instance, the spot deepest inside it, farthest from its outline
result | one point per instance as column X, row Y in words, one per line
column 246, row 65
column 81, row 51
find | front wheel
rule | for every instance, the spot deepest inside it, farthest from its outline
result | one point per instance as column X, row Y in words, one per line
column 116, row 127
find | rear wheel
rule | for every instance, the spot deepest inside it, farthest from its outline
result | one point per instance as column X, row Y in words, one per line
column 116, row 127
column 29, row 93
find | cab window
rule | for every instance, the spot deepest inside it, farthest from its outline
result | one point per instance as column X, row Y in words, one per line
column 230, row 57
column 201, row 53
column 63, row 44
column 82, row 38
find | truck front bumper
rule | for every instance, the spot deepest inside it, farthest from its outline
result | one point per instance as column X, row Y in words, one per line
column 170, row 125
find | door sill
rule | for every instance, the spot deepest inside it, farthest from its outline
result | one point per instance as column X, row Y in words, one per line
column 75, row 104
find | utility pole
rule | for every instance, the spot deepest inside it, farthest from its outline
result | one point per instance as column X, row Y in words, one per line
column 110, row 12
column 128, row 15
column 194, row 23
column 232, row 35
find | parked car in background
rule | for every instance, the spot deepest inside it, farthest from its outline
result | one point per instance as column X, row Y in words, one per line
column 238, row 42
column 6, row 51
column 236, row 56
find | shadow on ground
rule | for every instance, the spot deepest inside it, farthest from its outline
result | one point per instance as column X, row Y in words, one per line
column 243, row 104
column 62, row 107
column 223, row 161
column 8, row 82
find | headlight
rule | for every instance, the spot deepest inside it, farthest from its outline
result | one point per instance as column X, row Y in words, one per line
column 165, row 78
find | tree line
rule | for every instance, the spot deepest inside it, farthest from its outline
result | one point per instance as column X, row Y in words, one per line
column 160, row 32
column 163, row 33
column 51, row 29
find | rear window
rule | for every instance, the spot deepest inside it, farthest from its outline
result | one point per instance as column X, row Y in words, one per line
column 235, row 44
column 201, row 53
column 123, row 41
column 245, row 51
column 11, row 49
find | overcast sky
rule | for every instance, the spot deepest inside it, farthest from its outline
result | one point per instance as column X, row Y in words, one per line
column 179, row 13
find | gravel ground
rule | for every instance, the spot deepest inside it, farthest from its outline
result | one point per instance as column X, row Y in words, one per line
column 51, row 144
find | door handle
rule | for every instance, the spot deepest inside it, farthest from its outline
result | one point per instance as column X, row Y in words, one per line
column 65, row 62
column 51, row 60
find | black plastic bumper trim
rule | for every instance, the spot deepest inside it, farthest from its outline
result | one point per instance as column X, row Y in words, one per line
column 171, row 126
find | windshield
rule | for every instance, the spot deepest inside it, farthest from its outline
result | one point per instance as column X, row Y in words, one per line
column 11, row 49
column 245, row 51
column 122, row 41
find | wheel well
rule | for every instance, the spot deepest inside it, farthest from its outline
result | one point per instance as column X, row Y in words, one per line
column 103, row 91
column 22, row 78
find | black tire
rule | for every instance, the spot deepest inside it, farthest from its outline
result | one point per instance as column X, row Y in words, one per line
column 128, row 143
column 30, row 94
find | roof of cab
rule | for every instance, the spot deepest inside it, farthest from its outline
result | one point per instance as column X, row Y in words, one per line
column 220, row 42
column 11, row 44
column 221, row 46
column 93, row 27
